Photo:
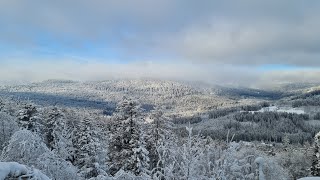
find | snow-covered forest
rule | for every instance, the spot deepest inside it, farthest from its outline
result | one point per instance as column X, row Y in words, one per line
column 151, row 131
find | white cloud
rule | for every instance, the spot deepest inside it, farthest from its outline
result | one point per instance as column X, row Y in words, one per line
column 251, row 43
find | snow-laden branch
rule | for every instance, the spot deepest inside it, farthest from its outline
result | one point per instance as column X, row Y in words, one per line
column 14, row 169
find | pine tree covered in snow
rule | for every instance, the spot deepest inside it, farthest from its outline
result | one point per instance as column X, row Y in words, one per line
column 158, row 131
column 8, row 126
column 127, row 144
column 27, row 117
column 87, row 146
column 58, row 134
column 141, row 157
column 56, row 167
column 315, row 168
column 24, row 147
column 27, row 148
column 2, row 105
column 52, row 121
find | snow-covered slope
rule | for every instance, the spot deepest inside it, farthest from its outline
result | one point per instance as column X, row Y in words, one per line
column 172, row 95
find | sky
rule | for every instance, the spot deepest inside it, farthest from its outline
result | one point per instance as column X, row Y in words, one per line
column 235, row 42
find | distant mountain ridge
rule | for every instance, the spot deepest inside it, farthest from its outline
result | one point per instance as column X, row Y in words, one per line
column 172, row 95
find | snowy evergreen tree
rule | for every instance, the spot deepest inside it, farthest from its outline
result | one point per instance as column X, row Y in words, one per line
column 2, row 105
column 315, row 168
column 51, row 124
column 102, row 154
column 27, row 117
column 286, row 142
column 8, row 126
column 141, row 157
column 24, row 147
column 158, row 131
column 167, row 153
column 56, row 167
column 87, row 147
column 27, row 148
column 58, row 134
column 127, row 144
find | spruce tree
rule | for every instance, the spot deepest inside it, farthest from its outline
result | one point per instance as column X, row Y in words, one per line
column 27, row 117
column 126, row 144
column 315, row 168
column 58, row 134
column 86, row 147
column 51, row 122
column 159, row 131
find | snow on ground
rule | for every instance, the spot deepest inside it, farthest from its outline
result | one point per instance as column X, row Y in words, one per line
column 282, row 109
column 149, row 120
column 310, row 178
column 12, row 169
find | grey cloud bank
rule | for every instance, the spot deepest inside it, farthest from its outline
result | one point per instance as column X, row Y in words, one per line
column 209, row 40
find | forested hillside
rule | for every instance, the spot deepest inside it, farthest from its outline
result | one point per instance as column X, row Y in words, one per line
column 66, row 134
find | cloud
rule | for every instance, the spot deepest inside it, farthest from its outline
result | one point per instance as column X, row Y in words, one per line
column 253, row 43
column 293, row 76
column 82, row 19
column 208, row 40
